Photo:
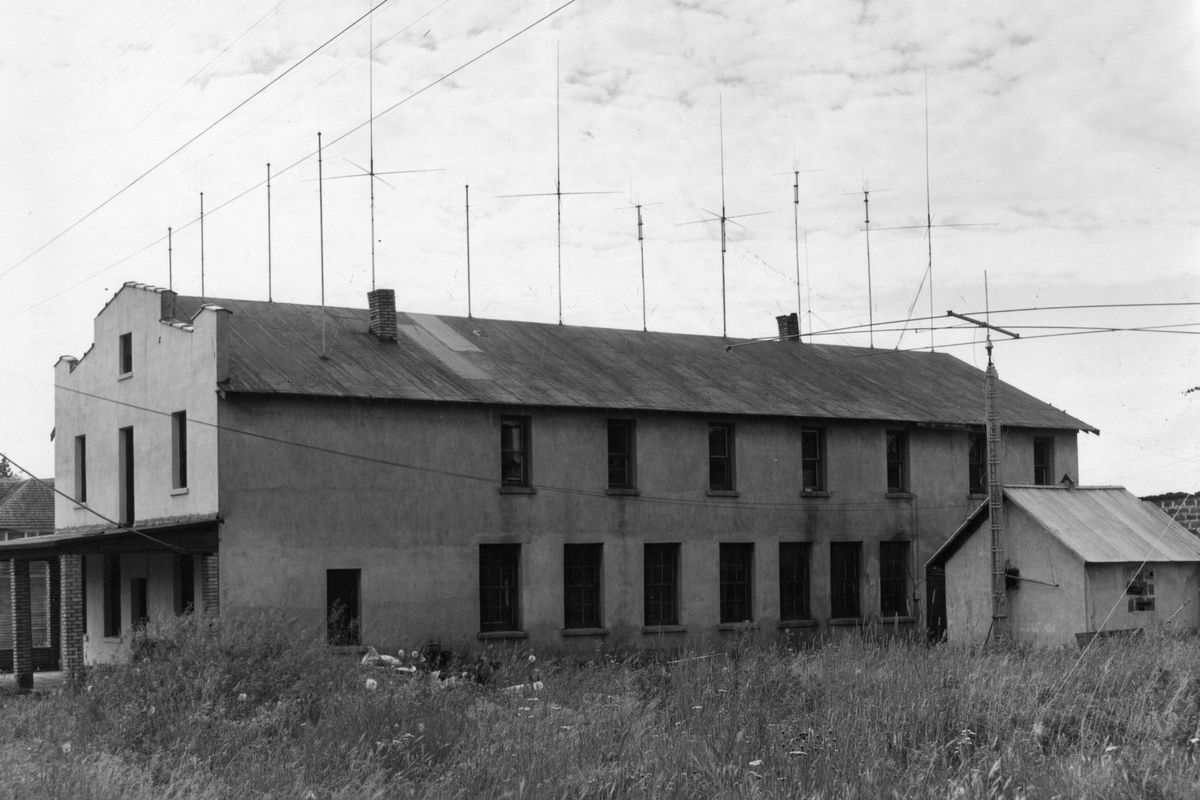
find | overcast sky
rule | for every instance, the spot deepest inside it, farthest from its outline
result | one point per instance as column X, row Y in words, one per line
column 1063, row 164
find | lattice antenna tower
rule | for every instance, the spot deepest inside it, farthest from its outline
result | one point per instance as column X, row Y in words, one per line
column 558, row 193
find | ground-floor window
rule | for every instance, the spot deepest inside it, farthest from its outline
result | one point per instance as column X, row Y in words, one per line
column 1139, row 586
column 893, row 579
column 661, row 584
column 185, row 584
column 793, row 580
column 581, row 585
column 499, row 587
column 844, row 560
column 343, row 606
column 112, row 595
column 736, row 572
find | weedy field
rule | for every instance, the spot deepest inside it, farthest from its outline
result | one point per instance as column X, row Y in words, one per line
column 251, row 710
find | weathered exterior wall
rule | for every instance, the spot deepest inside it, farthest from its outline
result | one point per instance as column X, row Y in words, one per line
column 1176, row 591
column 159, row 571
column 292, row 513
column 1039, row 614
column 1184, row 508
column 173, row 370
column 968, row 591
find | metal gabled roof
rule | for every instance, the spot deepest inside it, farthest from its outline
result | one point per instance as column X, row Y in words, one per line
column 27, row 506
column 1106, row 524
column 276, row 348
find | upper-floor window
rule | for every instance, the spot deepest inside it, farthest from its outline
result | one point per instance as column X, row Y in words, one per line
column 893, row 579
column 125, row 354
column 514, row 451
column 793, row 580
column 844, row 561
column 125, row 475
column 179, row 475
column 736, row 572
column 812, row 459
column 897, row 461
column 1043, row 460
column 80, row 469
column 977, row 466
column 621, row 474
column 720, row 457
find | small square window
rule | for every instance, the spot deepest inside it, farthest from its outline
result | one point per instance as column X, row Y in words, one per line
column 812, row 459
column 897, row 461
column 621, row 462
column 514, row 451
column 125, row 353
column 1140, row 589
column 720, row 457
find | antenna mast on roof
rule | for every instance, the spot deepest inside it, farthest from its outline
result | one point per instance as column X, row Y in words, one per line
column 558, row 192
column 321, row 217
column 866, row 193
column 467, row 195
column 269, row 298
column 642, row 249
column 371, row 127
column 723, row 217
column 170, row 265
column 202, row 244
column 796, row 229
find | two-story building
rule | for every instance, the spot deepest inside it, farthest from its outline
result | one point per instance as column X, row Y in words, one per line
column 401, row 477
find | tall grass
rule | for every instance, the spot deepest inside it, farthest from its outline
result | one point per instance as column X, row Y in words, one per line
column 254, row 710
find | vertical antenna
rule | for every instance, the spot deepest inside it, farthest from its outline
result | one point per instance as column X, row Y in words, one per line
column 170, row 265
column 321, row 217
column 721, row 126
column 928, row 212
column 371, row 130
column 558, row 162
column 202, row 244
column 269, row 298
column 467, row 192
column 870, row 297
column 796, row 230
column 642, row 250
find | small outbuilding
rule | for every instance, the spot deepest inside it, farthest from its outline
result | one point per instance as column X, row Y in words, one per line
column 1080, row 561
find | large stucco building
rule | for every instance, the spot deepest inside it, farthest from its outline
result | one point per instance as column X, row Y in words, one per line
column 406, row 477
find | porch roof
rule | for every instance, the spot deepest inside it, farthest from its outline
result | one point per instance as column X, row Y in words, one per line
column 196, row 533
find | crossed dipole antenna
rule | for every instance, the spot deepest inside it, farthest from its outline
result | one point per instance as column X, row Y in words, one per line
column 558, row 193
column 723, row 217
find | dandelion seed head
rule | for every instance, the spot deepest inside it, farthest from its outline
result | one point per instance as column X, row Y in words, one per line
column 243, row 697
column 532, row 658
column 756, row 762
column 66, row 748
column 372, row 684
column 538, row 686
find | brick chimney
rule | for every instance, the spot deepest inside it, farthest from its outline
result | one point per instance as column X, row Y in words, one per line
column 789, row 327
column 382, row 303
column 167, row 310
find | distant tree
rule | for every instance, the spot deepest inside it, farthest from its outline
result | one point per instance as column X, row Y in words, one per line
column 5, row 467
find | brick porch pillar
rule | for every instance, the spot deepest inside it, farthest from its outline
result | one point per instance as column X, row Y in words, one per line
column 71, row 591
column 210, row 585
column 22, row 624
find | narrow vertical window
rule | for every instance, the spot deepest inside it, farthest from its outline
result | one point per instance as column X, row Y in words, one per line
column 661, row 584
column 720, row 457
column 736, row 573
column 581, row 585
column 812, row 459
column 893, row 579
column 185, row 584
column 844, row 559
column 343, row 606
column 112, row 595
column 793, row 580
column 977, row 466
column 125, row 354
column 1043, row 461
column 897, row 461
column 125, row 475
column 179, row 475
column 499, row 587
column 620, row 454
column 139, row 609
column 514, row 451
column 83, row 592
column 80, row 469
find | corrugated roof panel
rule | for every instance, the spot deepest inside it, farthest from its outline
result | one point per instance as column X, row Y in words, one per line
column 1107, row 524
column 277, row 348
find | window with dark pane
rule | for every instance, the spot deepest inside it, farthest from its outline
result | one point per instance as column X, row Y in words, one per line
column 736, row 573
column 499, row 587
column 893, row 579
column 793, row 580
column 125, row 353
column 581, row 585
column 897, row 461
column 844, row 560
column 514, row 451
column 343, row 606
column 812, row 459
column 112, row 595
column 1043, row 461
column 720, row 457
column 620, row 454
column 661, row 584
column 977, row 467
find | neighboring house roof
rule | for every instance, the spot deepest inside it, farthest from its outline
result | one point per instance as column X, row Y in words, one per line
column 27, row 506
column 1103, row 524
column 276, row 348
